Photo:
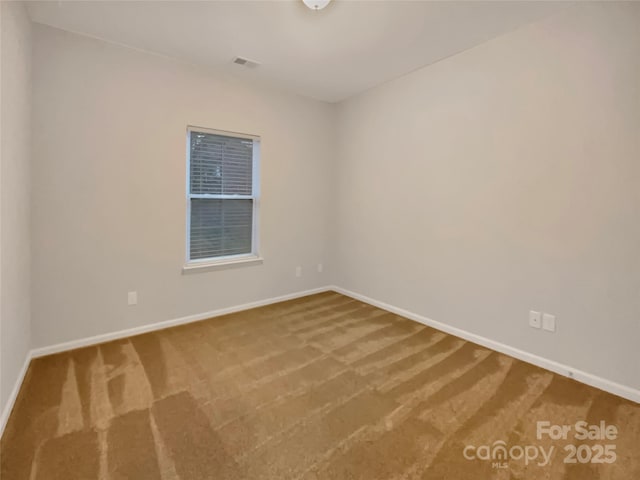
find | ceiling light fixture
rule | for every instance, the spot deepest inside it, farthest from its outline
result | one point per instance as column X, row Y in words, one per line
column 316, row 4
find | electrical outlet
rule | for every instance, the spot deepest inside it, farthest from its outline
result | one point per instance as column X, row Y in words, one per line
column 549, row 322
column 298, row 271
column 132, row 298
column 535, row 319
column 320, row 268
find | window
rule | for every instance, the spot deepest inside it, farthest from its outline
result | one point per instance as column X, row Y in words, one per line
column 222, row 197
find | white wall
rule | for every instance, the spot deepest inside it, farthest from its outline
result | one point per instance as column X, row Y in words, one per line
column 15, row 131
column 499, row 180
column 504, row 179
column 109, row 187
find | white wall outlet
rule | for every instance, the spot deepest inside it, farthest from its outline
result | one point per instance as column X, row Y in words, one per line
column 298, row 271
column 549, row 322
column 535, row 319
column 320, row 268
column 132, row 298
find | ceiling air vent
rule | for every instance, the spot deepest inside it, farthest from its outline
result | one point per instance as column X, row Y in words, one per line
column 245, row 62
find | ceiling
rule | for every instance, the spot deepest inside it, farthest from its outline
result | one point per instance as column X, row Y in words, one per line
column 329, row 55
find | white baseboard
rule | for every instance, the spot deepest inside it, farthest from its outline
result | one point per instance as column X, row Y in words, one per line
column 6, row 411
column 593, row 380
column 565, row 370
column 107, row 337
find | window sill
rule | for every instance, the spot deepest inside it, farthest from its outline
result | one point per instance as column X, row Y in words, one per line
column 196, row 267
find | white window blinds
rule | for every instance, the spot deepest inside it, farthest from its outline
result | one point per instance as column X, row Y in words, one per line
column 221, row 195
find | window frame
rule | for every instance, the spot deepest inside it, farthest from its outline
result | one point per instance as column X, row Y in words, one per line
column 225, row 261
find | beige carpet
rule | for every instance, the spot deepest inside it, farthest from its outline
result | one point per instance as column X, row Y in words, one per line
column 322, row 387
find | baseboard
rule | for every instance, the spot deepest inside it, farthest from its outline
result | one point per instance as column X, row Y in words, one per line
column 107, row 337
column 6, row 411
column 584, row 377
column 565, row 370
